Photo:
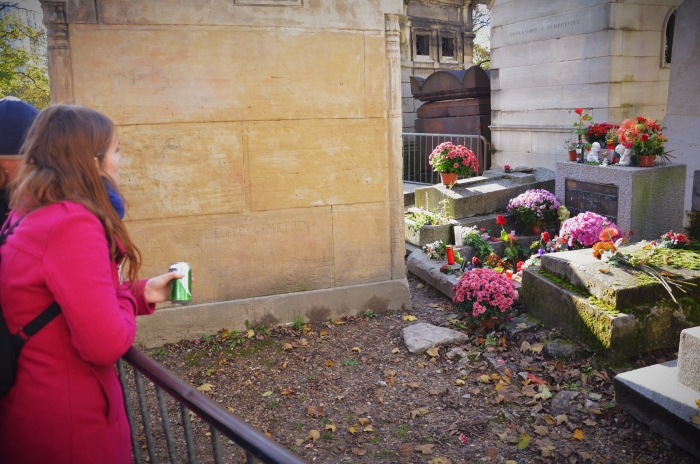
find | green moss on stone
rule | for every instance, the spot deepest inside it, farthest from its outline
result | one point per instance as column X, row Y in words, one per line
column 603, row 306
column 563, row 283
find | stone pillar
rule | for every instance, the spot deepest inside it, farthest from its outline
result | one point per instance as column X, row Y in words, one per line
column 689, row 358
column 58, row 52
column 396, row 230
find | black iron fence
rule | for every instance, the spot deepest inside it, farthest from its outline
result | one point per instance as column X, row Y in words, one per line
column 417, row 147
column 231, row 439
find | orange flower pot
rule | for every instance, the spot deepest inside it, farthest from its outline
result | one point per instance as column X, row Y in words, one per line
column 646, row 161
column 537, row 228
column 448, row 178
column 572, row 155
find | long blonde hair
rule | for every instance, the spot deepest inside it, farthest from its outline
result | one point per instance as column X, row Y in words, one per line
column 59, row 165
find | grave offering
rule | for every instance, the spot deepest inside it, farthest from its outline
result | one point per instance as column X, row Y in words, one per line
column 615, row 310
column 648, row 201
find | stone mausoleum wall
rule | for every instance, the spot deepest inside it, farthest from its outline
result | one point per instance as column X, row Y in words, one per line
column 260, row 143
column 549, row 57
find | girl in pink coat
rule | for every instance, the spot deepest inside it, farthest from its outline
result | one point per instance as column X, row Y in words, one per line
column 66, row 405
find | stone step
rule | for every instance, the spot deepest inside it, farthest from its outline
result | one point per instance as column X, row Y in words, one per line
column 483, row 194
column 578, row 319
column 689, row 359
column 619, row 286
column 654, row 396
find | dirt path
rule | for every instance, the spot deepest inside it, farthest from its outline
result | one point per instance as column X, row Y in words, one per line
column 354, row 387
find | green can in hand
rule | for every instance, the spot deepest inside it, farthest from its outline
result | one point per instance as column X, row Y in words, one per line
column 181, row 289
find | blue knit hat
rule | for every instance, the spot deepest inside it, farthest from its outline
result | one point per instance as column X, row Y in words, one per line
column 15, row 118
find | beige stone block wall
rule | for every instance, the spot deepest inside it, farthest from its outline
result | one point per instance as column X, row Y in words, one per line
column 259, row 145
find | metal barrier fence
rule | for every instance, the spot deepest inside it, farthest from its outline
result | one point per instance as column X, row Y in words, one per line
column 417, row 147
column 161, row 444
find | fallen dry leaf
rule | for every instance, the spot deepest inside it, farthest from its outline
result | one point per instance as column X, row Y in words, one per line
column 549, row 419
column 525, row 346
column 330, row 427
column 524, row 440
column 284, row 365
column 251, row 333
column 287, row 391
column 433, row 305
column 433, row 352
column 352, row 429
column 536, row 348
column 458, row 382
column 413, row 385
column 267, row 393
column 316, row 411
column 322, row 333
column 363, row 420
column 329, row 363
column 230, row 409
column 369, row 428
column 578, row 434
column 695, row 420
column 356, row 348
column 440, row 461
column 313, row 435
column 541, row 430
column 424, row 449
column 589, row 423
column 420, row 286
column 561, row 418
column 410, row 318
column 359, row 451
column 287, row 346
column 484, row 378
column 205, row 387
column 584, row 456
column 395, row 350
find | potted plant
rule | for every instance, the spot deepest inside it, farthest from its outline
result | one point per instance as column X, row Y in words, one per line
column 571, row 146
column 452, row 161
column 535, row 208
column 645, row 137
column 484, row 296
column 598, row 132
column 584, row 229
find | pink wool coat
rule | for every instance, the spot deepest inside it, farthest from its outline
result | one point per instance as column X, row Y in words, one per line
column 67, row 405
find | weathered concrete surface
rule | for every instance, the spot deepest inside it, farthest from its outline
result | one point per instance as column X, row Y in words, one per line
column 428, row 234
column 689, row 358
column 558, row 307
column 484, row 194
column 618, row 286
column 635, row 329
column 653, row 396
column 170, row 325
column 420, row 337
column 649, row 201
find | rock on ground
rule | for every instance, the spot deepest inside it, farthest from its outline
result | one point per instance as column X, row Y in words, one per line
column 560, row 403
column 519, row 325
column 561, row 350
column 420, row 337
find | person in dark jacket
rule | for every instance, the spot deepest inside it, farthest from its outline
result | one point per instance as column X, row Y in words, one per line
column 15, row 118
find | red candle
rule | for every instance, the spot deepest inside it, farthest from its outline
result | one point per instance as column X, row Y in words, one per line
column 509, row 274
column 450, row 254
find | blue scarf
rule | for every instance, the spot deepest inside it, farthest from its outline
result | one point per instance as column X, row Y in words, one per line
column 114, row 198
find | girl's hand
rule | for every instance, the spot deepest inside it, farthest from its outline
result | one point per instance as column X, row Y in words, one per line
column 156, row 290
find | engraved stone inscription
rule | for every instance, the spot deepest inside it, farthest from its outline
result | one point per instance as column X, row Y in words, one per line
column 242, row 256
column 588, row 196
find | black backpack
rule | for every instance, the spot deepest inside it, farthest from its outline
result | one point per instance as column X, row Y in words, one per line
column 11, row 344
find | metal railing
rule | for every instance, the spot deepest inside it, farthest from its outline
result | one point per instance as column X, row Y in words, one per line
column 417, row 147
column 255, row 445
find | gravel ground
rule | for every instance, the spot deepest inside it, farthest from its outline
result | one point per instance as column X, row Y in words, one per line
column 348, row 391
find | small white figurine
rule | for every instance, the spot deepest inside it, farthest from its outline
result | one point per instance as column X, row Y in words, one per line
column 625, row 155
column 593, row 153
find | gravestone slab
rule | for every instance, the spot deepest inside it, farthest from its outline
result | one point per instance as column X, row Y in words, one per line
column 689, row 358
column 607, row 308
column 420, row 337
column 483, row 194
column 649, row 200
column 696, row 191
column 654, row 396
